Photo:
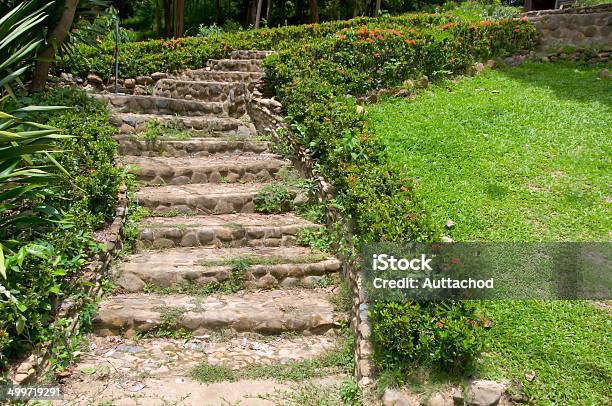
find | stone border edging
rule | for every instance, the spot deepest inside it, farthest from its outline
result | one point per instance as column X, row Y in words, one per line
column 37, row 364
column 601, row 8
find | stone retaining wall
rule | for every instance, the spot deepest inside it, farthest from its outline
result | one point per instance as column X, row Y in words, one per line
column 586, row 26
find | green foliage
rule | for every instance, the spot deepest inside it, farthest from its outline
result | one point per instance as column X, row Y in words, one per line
column 154, row 130
column 205, row 31
column 44, row 258
column 274, row 198
column 350, row 392
column 480, row 10
column 442, row 334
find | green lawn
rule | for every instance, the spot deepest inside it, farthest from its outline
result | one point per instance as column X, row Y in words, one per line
column 521, row 154
column 511, row 155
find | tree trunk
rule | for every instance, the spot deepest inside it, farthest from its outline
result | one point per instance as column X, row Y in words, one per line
column 298, row 11
column 158, row 13
column 377, row 9
column 217, row 11
column 314, row 11
column 355, row 8
column 258, row 14
column 179, row 18
column 268, row 8
column 167, row 17
column 47, row 55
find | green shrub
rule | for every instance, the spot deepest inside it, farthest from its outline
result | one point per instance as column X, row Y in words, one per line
column 441, row 334
column 43, row 270
column 316, row 81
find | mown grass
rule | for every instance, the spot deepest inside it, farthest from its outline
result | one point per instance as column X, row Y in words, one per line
column 511, row 155
column 520, row 154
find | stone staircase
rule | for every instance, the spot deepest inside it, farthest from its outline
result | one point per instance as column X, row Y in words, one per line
column 214, row 281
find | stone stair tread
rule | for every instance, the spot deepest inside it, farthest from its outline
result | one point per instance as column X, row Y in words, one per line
column 134, row 118
column 264, row 267
column 144, row 103
column 196, row 190
column 194, row 146
column 192, row 162
column 237, row 219
column 263, row 312
column 209, row 198
column 189, row 256
column 217, row 230
column 180, row 356
column 205, row 74
column 215, row 168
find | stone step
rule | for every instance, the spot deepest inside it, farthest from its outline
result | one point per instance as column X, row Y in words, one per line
column 265, row 312
column 233, row 92
column 147, row 355
column 195, row 147
column 129, row 123
column 205, row 74
column 239, row 65
column 214, row 169
column 190, row 268
column 250, row 54
column 223, row 198
column 223, row 230
column 165, row 106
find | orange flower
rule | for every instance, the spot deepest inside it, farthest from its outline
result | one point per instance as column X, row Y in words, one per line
column 351, row 179
column 404, row 189
column 440, row 324
column 516, row 30
column 376, row 54
column 342, row 36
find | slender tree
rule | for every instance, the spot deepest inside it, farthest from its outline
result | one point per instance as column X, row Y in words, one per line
column 47, row 55
column 158, row 13
column 179, row 18
column 314, row 11
column 217, row 11
column 377, row 9
column 258, row 13
column 167, row 16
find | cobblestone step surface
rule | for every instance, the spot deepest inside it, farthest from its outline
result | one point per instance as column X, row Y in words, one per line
column 134, row 123
column 193, row 147
column 224, row 230
column 193, row 268
column 267, row 312
column 221, row 198
column 239, row 65
column 217, row 169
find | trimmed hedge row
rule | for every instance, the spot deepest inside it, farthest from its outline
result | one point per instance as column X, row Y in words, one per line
column 146, row 57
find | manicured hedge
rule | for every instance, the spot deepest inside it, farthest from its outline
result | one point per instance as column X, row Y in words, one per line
column 146, row 57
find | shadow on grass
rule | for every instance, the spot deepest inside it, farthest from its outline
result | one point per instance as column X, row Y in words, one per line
column 571, row 81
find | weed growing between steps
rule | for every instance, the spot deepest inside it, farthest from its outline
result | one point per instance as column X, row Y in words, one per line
column 169, row 326
column 232, row 284
column 44, row 261
column 155, row 131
